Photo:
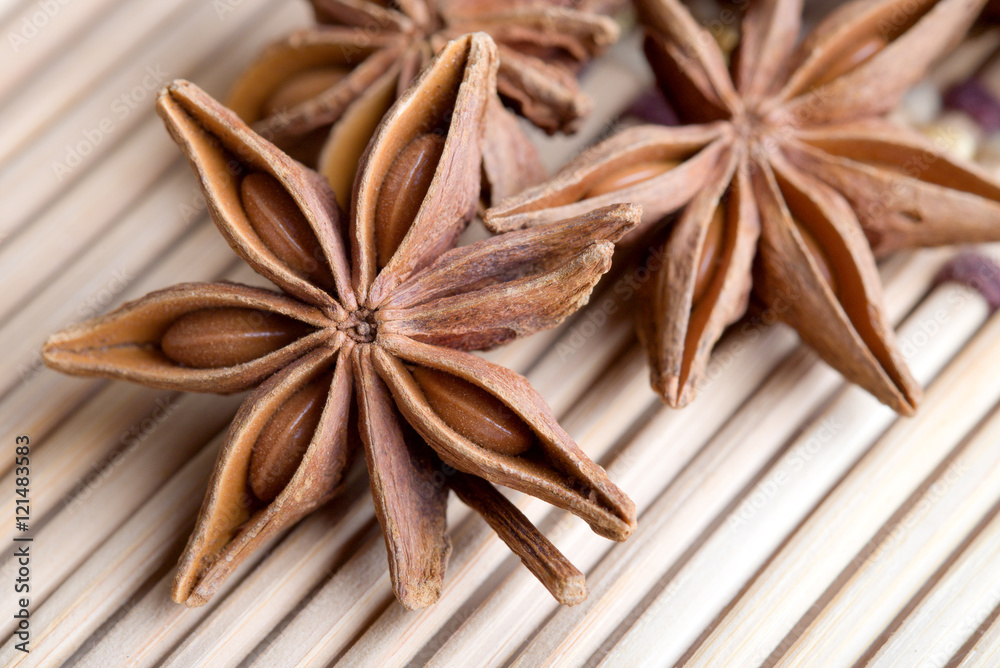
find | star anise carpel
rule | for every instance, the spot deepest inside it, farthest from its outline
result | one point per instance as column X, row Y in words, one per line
column 319, row 92
column 784, row 179
column 365, row 346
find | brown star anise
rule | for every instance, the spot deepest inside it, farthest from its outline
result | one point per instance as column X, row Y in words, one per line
column 347, row 71
column 370, row 346
column 786, row 178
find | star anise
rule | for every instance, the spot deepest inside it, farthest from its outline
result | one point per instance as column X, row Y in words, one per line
column 369, row 345
column 786, row 178
column 347, row 71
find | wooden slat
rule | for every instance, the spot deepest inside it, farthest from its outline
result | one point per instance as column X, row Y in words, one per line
column 985, row 649
column 55, row 90
column 216, row 52
column 169, row 439
column 854, row 511
column 109, row 577
column 224, row 633
column 40, row 398
column 939, row 518
column 8, row 7
column 966, row 595
column 41, row 33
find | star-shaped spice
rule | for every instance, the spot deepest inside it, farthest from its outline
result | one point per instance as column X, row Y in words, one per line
column 346, row 72
column 786, row 179
column 368, row 347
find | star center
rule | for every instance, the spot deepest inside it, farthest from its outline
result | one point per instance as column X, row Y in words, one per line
column 758, row 133
column 360, row 326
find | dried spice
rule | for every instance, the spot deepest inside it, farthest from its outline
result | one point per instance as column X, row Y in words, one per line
column 346, row 71
column 786, row 180
column 367, row 350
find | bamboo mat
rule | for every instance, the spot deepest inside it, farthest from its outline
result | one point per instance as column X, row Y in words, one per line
column 785, row 518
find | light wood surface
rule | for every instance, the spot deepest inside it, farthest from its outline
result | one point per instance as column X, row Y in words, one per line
column 785, row 518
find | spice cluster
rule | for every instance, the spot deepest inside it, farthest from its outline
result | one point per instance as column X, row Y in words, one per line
column 344, row 170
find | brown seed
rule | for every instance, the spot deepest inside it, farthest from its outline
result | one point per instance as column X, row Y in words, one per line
column 214, row 338
column 711, row 254
column 284, row 440
column 630, row 176
column 474, row 413
column 818, row 254
column 301, row 87
column 279, row 222
column 403, row 191
column 856, row 54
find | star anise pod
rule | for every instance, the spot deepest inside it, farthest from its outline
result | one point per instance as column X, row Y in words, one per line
column 370, row 344
column 346, row 71
column 785, row 178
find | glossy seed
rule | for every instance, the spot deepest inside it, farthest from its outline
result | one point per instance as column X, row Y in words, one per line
column 214, row 338
column 859, row 52
column 280, row 224
column 284, row 440
column 816, row 250
column 301, row 87
column 474, row 413
column 630, row 176
column 403, row 191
